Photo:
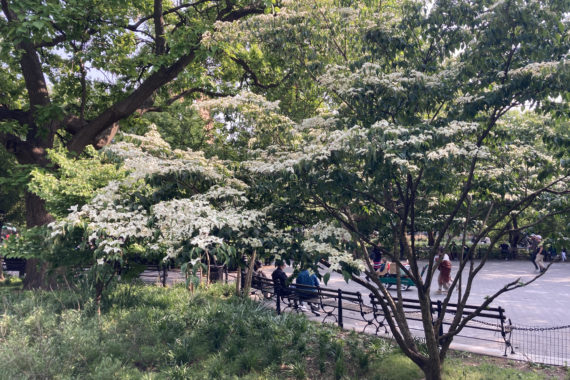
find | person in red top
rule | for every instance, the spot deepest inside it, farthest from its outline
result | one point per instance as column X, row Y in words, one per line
column 444, row 267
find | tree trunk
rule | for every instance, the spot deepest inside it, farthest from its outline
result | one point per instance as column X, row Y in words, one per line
column 1, row 258
column 431, row 238
column 209, row 269
column 432, row 369
column 37, row 215
column 247, row 285
column 99, row 286
column 238, row 280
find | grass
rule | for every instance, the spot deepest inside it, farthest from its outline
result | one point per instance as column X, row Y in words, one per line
column 148, row 332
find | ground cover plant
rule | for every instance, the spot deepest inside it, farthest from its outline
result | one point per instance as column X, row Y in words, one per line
column 157, row 333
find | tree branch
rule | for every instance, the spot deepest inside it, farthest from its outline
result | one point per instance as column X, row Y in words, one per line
column 130, row 104
column 254, row 77
column 22, row 117
column 134, row 27
column 228, row 16
column 159, row 33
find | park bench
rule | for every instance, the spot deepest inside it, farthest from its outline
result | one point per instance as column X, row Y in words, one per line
column 491, row 319
column 262, row 286
column 15, row 265
column 332, row 302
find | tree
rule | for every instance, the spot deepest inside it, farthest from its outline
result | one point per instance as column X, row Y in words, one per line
column 73, row 70
column 173, row 204
column 424, row 138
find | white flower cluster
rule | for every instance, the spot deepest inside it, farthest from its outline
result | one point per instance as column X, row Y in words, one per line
column 324, row 231
column 114, row 217
column 150, row 140
column 317, row 240
column 319, row 148
column 109, row 219
column 142, row 164
column 195, row 220
column 335, row 256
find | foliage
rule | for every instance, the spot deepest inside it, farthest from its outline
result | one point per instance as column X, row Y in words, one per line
column 172, row 204
column 75, row 181
column 13, row 179
column 169, row 334
column 147, row 329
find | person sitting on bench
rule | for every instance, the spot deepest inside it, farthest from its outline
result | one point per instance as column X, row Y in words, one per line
column 280, row 280
column 305, row 278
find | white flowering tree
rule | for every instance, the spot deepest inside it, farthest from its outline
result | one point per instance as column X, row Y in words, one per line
column 424, row 138
column 172, row 204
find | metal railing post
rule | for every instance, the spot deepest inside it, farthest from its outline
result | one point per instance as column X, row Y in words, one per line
column 438, row 316
column 340, row 308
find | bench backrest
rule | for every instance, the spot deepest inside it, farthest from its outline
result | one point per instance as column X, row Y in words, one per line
column 262, row 283
column 414, row 304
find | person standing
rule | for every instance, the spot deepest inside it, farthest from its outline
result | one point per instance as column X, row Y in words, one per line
column 504, row 251
column 444, row 267
column 563, row 254
column 376, row 257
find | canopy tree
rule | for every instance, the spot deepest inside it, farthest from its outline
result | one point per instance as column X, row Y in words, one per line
column 424, row 137
column 71, row 71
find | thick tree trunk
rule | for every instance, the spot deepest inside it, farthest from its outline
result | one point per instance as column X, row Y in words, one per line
column 36, row 215
column 432, row 369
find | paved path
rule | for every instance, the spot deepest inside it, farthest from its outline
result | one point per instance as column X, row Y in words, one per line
column 544, row 302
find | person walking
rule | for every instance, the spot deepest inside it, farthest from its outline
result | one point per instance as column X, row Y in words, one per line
column 539, row 252
column 563, row 254
column 444, row 267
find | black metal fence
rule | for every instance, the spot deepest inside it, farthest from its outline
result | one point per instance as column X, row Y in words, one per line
column 541, row 344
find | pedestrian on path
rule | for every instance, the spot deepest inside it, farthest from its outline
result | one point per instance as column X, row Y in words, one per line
column 444, row 267
column 563, row 254
column 539, row 253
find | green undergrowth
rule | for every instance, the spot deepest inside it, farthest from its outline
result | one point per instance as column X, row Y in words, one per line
column 147, row 332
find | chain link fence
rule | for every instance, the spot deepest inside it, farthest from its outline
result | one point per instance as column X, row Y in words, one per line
column 539, row 344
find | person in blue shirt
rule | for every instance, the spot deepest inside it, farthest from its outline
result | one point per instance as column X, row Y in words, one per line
column 305, row 278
